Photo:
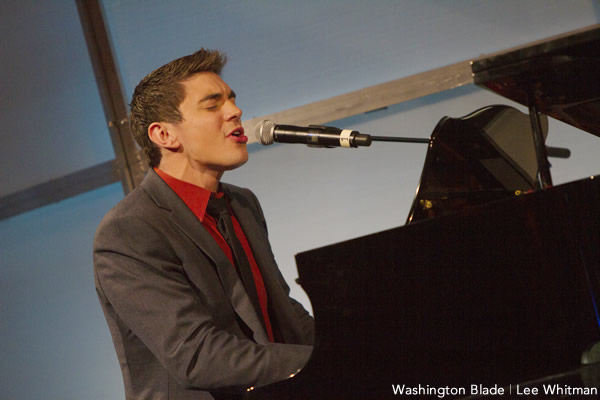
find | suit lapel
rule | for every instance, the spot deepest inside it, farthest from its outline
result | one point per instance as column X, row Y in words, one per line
column 189, row 224
column 256, row 238
column 259, row 243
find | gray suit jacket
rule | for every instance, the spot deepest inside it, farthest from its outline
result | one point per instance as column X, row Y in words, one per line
column 175, row 305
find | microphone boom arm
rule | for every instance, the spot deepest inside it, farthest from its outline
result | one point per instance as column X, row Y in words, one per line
column 556, row 152
column 398, row 139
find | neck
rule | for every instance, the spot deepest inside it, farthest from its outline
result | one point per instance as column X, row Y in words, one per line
column 205, row 178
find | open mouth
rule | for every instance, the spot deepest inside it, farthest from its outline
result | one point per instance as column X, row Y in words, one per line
column 238, row 135
column 238, row 132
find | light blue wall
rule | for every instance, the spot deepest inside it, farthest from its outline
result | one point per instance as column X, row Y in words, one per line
column 53, row 337
column 50, row 110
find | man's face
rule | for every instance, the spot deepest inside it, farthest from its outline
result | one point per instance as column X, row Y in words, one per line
column 211, row 135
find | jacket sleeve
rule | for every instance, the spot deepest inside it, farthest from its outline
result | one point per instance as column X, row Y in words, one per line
column 145, row 292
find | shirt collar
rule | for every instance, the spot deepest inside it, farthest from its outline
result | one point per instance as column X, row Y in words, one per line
column 195, row 197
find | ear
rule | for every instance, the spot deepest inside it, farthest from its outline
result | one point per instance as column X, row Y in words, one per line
column 160, row 133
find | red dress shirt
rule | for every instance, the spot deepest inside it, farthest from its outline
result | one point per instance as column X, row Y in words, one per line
column 196, row 198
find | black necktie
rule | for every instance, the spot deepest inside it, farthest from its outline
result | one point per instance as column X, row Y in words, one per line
column 219, row 210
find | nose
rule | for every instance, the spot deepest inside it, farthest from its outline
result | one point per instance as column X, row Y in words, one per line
column 232, row 111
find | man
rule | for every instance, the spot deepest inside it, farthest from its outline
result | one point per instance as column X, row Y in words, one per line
column 195, row 311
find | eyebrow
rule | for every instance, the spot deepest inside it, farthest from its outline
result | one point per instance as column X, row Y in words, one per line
column 217, row 96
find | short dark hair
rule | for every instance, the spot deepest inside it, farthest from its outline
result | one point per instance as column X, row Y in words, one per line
column 157, row 97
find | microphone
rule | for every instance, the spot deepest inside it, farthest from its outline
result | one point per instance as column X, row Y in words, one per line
column 268, row 132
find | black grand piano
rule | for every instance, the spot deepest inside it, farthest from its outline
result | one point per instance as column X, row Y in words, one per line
column 493, row 285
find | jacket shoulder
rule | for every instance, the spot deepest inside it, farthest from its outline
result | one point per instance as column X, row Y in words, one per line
column 135, row 209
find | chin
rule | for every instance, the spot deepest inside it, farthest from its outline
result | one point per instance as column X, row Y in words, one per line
column 237, row 164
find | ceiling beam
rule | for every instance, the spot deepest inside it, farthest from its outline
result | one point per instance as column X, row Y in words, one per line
column 131, row 163
column 370, row 98
column 58, row 189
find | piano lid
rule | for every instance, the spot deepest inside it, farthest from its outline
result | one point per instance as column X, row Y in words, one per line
column 484, row 156
column 559, row 74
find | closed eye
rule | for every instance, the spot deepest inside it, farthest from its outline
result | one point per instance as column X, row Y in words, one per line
column 215, row 99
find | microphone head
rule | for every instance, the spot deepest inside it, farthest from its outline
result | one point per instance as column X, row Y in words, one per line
column 264, row 132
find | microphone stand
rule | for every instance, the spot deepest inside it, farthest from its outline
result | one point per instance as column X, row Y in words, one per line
column 555, row 152
column 398, row 139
